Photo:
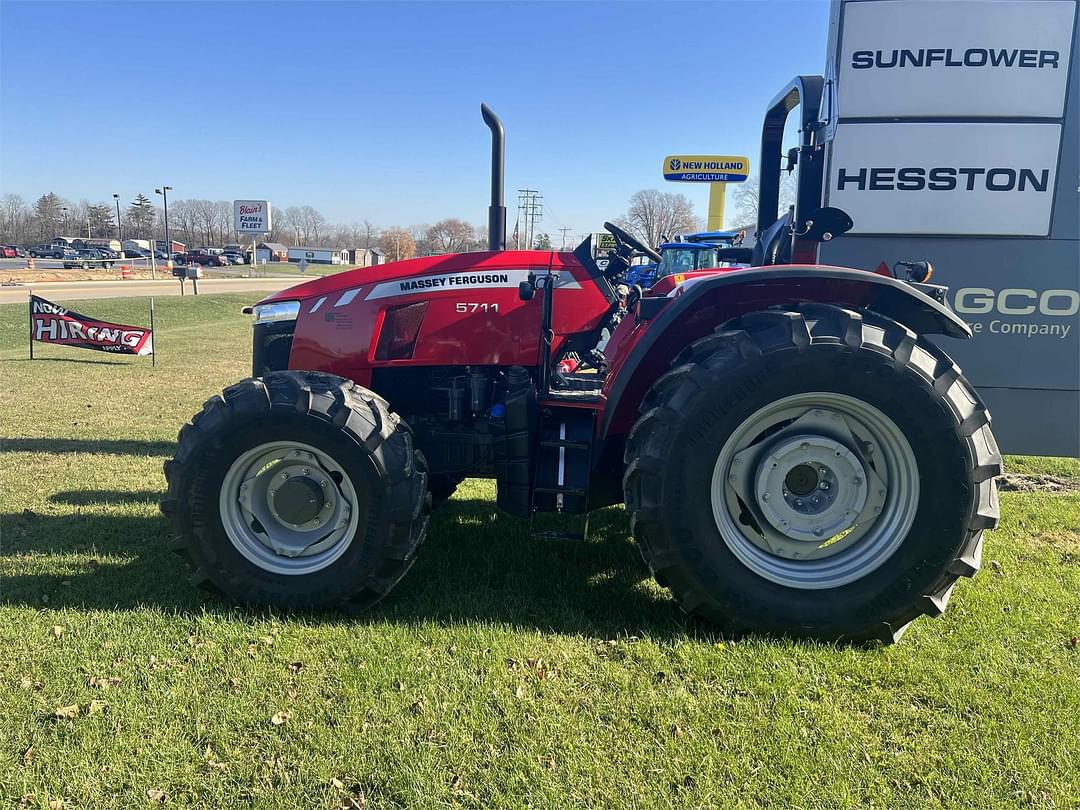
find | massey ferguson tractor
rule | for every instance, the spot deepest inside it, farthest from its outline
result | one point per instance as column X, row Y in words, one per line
column 795, row 456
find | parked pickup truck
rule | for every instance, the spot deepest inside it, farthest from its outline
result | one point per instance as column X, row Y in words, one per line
column 47, row 251
column 86, row 259
column 205, row 259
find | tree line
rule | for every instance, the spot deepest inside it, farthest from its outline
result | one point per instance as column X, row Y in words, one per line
column 651, row 215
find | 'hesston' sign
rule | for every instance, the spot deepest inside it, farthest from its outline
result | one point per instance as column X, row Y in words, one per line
column 52, row 323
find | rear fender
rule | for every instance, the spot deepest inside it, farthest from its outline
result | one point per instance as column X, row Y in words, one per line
column 698, row 307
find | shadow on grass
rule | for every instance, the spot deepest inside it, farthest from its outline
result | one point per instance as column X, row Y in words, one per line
column 63, row 360
column 125, row 447
column 82, row 497
column 476, row 565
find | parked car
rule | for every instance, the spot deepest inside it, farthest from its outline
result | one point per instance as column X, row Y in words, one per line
column 136, row 253
column 8, row 252
column 108, row 253
column 236, row 257
column 204, row 259
column 87, row 259
column 47, row 252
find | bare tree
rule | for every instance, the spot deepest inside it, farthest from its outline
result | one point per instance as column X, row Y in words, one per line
column 184, row 222
column 655, row 214
column 397, row 243
column 206, row 218
column 746, row 199
column 294, row 218
column 313, row 223
column 14, row 219
column 367, row 235
column 450, row 235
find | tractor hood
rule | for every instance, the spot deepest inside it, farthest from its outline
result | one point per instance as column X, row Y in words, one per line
column 361, row 277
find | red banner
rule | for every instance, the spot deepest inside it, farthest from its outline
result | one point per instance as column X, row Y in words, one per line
column 52, row 323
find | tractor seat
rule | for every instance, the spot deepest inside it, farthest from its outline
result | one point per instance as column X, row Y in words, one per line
column 774, row 244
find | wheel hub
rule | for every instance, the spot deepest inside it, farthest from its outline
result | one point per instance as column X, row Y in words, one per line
column 829, row 491
column 288, row 507
column 814, row 490
column 297, row 501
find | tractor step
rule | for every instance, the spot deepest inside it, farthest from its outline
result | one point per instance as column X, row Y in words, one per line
column 568, row 445
column 561, row 474
column 580, row 492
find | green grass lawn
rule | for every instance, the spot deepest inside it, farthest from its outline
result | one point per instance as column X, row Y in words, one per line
column 502, row 672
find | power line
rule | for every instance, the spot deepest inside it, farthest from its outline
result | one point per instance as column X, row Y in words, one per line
column 531, row 204
column 564, row 231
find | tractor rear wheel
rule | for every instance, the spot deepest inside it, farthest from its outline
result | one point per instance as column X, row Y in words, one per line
column 820, row 472
column 297, row 489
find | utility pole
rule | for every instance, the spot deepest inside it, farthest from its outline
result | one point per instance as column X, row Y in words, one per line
column 530, row 203
column 564, row 232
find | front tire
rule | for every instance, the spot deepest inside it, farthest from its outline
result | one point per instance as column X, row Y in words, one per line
column 297, row 489
column 821, row 473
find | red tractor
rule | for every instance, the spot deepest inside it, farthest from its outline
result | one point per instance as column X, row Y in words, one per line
column 795, row 455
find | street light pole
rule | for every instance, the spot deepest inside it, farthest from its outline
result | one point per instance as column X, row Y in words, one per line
column 119, row 229
column 164, row 192
column 64, row 209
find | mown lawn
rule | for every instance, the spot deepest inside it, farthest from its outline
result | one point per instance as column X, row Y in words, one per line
column 502, row 672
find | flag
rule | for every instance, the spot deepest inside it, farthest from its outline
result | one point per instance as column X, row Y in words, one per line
column 52, row 323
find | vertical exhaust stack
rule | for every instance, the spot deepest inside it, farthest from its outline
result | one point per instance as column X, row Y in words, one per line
column 497, row 209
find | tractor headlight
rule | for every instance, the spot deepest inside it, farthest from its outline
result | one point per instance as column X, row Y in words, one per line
column 277, row 311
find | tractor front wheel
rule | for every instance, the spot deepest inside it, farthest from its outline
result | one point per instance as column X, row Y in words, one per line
column 297, row 489
column 821, row 472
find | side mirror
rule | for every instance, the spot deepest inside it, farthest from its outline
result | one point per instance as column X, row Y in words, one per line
column 526, row 291
column 825, row 224
column 917, row 271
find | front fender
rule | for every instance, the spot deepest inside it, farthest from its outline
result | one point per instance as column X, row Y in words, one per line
column 699, row 306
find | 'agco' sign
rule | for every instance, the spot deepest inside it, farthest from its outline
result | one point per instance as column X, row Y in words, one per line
column 706, row 168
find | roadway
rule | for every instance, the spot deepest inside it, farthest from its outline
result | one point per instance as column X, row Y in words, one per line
column 69, row 290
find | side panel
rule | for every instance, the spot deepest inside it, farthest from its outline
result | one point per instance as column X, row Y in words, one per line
column 473, row 314
column 987, row 93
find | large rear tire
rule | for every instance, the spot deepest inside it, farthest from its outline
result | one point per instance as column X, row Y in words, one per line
column 821, row 473
column 297, row 489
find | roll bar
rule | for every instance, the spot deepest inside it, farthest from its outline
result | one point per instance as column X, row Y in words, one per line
column 803, row 92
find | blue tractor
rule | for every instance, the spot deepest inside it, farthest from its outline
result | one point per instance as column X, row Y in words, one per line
column 686, row 253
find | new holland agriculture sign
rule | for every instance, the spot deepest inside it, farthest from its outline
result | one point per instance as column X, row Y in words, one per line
column 706, row 168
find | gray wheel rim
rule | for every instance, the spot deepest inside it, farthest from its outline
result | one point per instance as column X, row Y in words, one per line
column 264, row 533
column 815, row 490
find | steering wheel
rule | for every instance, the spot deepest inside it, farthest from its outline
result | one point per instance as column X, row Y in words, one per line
column 627, row 245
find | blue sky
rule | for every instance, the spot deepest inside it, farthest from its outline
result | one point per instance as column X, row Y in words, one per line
column 371, row 110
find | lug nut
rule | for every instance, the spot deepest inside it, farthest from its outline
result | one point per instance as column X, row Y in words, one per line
column 857, row 482
column 305, row 471
column 818, row 532
column 284, row 476
column 824, row 486
column 765, row 496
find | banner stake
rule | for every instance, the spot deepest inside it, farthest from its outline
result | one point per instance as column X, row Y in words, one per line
column 153, row 336
column 30, row 312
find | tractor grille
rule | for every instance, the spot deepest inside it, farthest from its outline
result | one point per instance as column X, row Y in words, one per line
column 271, row 346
